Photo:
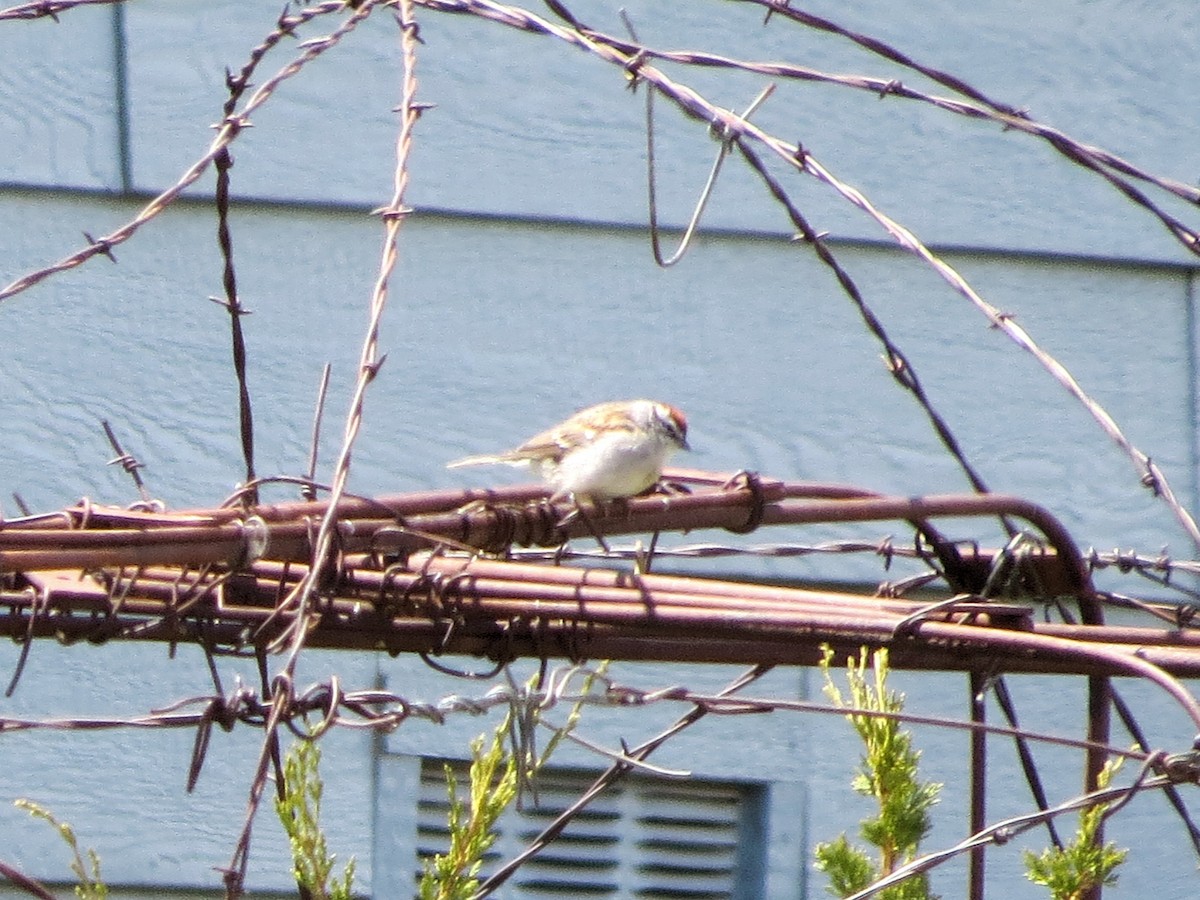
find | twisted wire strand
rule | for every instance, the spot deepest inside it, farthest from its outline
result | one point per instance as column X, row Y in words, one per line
column 48, row 9
column 982, row 106
column 382, row 710
column 370, row 361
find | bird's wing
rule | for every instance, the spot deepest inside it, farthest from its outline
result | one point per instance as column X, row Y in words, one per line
column 549, row 445
column 552, row 443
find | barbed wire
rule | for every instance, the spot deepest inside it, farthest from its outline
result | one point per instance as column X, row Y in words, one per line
column 48, row 9
column 332, row 706
column 896, row 361
column 633, row 60
column 1159, row 568
column 237, row 84
column 279, row 706
column 282, row 706
column 1010, row 117
column 377, row 709
column 979, row 105
column 228, row 131
column 887, row 548
column 158, row 549
column 634, row 64
column 370, row 360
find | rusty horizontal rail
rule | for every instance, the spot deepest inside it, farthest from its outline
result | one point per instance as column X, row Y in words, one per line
column 499, row 609
column 89, row 537
column 407, row 580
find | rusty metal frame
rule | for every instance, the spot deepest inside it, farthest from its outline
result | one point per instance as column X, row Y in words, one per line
column 428, row 573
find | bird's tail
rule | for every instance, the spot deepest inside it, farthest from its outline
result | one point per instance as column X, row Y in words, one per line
column 486, row 460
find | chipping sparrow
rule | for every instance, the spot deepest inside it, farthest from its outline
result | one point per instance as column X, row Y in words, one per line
column 603, row 452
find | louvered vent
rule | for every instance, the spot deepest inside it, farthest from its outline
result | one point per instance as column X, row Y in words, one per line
column 648, row 838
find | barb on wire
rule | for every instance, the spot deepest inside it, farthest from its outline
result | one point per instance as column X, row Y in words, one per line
column 130, row 464
column 877, row 46
column 1151, row 474
column 234, row 874
column 282, row 705
column 885, row 548
column 1022, row 545
column 48, row 9
column 619, row 757
column 1129, row 721
column 301, row 598
column 233, row 123
column 977, row 106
